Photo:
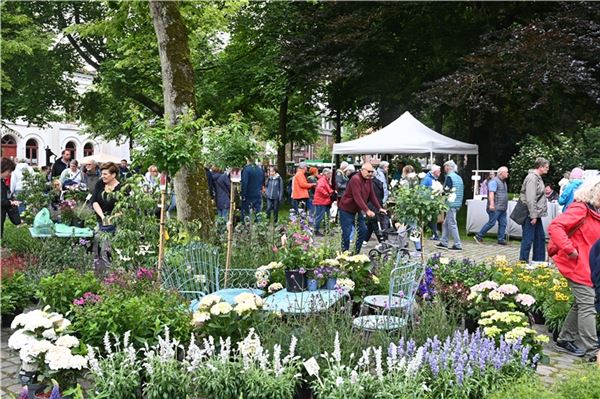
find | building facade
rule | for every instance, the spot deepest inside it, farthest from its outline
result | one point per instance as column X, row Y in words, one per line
column 38, row 144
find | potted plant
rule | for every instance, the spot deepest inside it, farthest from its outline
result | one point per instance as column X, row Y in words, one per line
column 47, row 351
column 16, row 292
column 295, row 251
column 83, row 216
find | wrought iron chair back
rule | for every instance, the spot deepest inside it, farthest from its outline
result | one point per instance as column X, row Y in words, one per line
column 192, row 269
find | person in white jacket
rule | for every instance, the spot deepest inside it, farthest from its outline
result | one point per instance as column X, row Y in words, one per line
column 17, row 180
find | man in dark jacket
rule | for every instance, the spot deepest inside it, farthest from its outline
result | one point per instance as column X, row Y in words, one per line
column 61, row 164
column 274, row 193
column 222, row 192
column 358, row 192
column 372, row 222
column 253, row 180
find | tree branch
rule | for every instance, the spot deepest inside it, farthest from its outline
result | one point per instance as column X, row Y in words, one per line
column 147, row 102
column 82, row 53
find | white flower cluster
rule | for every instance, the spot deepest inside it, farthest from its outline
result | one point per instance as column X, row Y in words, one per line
column 42, row 342
column 499, row 292
column 214, row 305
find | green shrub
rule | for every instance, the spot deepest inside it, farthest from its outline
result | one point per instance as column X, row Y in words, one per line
column 433, row 319
column 60, row 290
column 524, row 388
column 16, row 293
column 564, row 153
column 143, row 313
column 582, row 382
column 19, row 240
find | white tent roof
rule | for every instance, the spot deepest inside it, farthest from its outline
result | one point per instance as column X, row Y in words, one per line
column 406, row 135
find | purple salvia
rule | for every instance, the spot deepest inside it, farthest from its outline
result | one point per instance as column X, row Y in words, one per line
column 401, row 347
column 459, row 371
column 535, row 360
column 434, row 364
column 410, row 347
column 24, row 393
column 55, row 393
column 525, row 355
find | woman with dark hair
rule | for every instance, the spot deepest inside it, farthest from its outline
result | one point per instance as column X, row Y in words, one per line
column 103, row 202
column 8, row 206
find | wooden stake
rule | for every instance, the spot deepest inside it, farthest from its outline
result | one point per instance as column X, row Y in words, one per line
column 229, row 232
column 161, row 240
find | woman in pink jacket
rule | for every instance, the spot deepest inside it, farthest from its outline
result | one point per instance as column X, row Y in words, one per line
column 322, row 200
column 572, row 235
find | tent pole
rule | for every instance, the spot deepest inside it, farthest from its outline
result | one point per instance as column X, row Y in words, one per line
column 430, row 159
column 477, row 161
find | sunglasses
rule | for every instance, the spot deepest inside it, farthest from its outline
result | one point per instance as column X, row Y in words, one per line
column 369, row 171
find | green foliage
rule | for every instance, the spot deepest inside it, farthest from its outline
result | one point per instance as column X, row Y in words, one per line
column 30, row 54
column 417, row 204
column 564, row 153
column 19, row 241
column 144, row 310
column 433, row 319
column 117, row 375
column 170, row 147
column 581, row 382
column 56, row 254
column 60, row 290
column 16, row 293
column 590, row 145
column 34, row 194
column 168, row 379
column 230, row 145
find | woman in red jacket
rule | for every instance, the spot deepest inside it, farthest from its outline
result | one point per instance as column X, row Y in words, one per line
column 573, row 234
column 322, row 200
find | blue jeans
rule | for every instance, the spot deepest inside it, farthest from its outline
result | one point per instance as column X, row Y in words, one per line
column 533, row 234
column 273, row 206
column 321, row 211
column 495, row 216
column 451, row 227
column 433, row 226
column 223, row 213
column 251, row 204
column 347, row 220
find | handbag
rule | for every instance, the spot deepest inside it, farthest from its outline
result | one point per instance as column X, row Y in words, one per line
column 520, row 213
column 13, row 215
column 553, row 248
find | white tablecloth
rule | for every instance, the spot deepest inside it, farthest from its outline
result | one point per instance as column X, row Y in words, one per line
column 477, row 217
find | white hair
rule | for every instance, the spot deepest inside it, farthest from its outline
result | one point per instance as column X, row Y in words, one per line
column 435, row 168
column 326, row 170
column 343, row 165
column 383, row 164
column 589, row 192
column 351, row 168
column 501, row 169
column 451, row 164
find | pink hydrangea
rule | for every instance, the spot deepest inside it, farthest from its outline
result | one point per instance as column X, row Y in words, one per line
column 508, row 289
column 525, row 299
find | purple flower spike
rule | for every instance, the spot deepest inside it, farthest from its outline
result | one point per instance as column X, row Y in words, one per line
column 24, row 393
column 55, row 393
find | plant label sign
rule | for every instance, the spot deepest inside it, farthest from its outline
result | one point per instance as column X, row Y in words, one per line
column 163, row 182
column 311, row 366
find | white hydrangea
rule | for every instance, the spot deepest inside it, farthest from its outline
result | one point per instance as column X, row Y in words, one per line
column 68, row 341
column 275, row 287
column 19, row 339
column 208, row 300
column 221, row 308
column 200, row 317
column 49, row 334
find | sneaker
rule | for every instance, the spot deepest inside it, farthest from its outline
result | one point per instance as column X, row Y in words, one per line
column 502, row 243
column 478, row 239
column 319, row 234
column 569, row 347
column 455, row 248
column 434, row 238
column 593, row 359
column 440, row 245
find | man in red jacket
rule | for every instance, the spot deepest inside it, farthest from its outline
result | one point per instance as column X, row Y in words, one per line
column 358, row 192
column 572, row 236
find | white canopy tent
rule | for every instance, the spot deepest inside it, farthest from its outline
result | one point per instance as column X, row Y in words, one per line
column 406, row 135
column 100, row 157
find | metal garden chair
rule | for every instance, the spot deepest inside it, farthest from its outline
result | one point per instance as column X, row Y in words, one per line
column 193, row 270
column 396, row 308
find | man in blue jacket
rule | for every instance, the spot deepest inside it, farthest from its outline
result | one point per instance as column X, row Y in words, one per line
column 253, row 180
column 274, row 193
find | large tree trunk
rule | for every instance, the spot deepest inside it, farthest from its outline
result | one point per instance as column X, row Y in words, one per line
column 191, row 184
column 282, row 135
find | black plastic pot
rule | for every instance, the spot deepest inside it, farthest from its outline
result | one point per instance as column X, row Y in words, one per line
column 295, row 281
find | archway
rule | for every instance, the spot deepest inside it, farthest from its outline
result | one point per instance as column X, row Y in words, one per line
column 88, row 149
column 8, row 146
column 31, row 151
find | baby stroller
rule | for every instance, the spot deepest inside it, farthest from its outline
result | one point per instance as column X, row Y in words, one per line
column 390, row 241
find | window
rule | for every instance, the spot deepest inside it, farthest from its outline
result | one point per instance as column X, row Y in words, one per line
column 31, row 151
column 9, row 146
column 88, row 150
column 71, row 146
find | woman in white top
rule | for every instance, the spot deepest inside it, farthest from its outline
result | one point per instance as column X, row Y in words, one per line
column 72, row 175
